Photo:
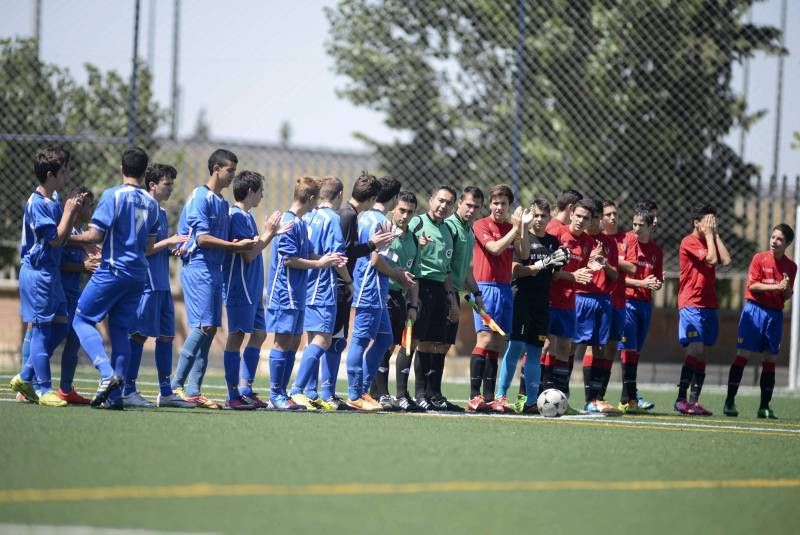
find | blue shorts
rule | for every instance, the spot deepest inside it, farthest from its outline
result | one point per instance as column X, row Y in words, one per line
column 592, row 319
column 320, row 319
column 202, row 296
column 369, row 322
column 155, row 315
column 637, row 323
column 698, row 325
column 107, row 294
column 760, row 329
column 561, row 322
column 41, row 295
column 617, row 324
column 285, row 321
column 498, row 301
column 246, row 318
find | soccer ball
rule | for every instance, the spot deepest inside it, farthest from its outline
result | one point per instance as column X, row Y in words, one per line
column 552, row 403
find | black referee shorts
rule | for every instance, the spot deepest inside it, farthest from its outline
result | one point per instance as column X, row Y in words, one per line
column 431, row 324
column 530, row 319
column 397, row 314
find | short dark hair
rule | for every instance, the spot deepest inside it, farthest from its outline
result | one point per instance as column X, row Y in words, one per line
column 597, row 207
column 586, row 204
column 49, row 160
column 390, row 187
column 246, row 182
column 448, row 189
column 407, row 196
column 702, row 210
column 169, row 170
column 787, row 232
column 567, row 197
column 330, row 188
column 77, row 191
column 154, row 173
column 541, row 204
column 475, row 191
column 306, row 187
column 646, row 215
column 134, row 162
column 365, row 187
column 645, row 204
column 502, row 190
column 609, row 202
column 221, row 157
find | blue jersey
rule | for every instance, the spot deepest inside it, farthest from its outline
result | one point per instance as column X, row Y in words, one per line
column 325, row 234
column 244, row 281
column 371, row 287
column 204, row 213
column 129, row 218
column 71, row 280
column 287, row 286
column 40, row 225
column 158, row 263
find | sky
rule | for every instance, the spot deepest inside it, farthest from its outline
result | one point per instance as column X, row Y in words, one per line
column 253, row 64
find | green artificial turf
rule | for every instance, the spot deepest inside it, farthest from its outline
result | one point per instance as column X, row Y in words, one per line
column 76, row 447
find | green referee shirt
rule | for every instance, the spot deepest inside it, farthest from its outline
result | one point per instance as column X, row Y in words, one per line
column 403, row 253
column 434, row 258
column 463, row 245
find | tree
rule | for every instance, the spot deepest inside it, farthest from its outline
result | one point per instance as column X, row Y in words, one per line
column 42, row 104
column 202, row 130
column 285, row 134
column 620, row 99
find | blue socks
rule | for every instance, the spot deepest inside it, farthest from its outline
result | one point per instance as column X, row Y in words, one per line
column 69, row 360
column 329, row 371
column 40, row 358
column 372, row 360
column 92, row 344
column 533, row 372
column 132, row 367
column 26, row 372
column 198, row 371
column 247, row 375
column 355, row 366
column 164, row 366
column 120, row 354
column 308, row 366
column 514, row 351
column 230, row 362
column 287, row 371
column 277, row 366
column 313, row 381
column 191, row 349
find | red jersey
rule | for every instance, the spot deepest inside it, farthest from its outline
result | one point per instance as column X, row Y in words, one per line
column 618, row 293
column 485, row 266
column 698, row 281
column 769, row 270
column 600, row 283
column 649, row 260
column 554, row 226
column 562, row 292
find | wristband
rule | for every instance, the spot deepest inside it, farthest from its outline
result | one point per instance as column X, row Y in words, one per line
column 371, row 246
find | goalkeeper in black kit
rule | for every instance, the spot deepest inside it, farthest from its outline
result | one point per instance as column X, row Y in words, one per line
column 530, row 284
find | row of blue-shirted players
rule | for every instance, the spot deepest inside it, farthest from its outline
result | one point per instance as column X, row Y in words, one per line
column 218, row 244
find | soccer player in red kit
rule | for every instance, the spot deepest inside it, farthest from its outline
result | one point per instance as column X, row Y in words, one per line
column 770, row 281
column 611, row 229
column 564, row 206
column 698, row 327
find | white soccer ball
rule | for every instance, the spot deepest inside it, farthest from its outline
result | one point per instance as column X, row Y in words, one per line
column 552, row 403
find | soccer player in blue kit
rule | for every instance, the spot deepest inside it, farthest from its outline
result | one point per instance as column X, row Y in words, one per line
column 126, row 222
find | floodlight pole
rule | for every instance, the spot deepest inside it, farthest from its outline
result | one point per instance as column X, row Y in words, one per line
column 794, row 345
column 132, row 111
column 173, row 130
column 519, row 74
column 779, row 98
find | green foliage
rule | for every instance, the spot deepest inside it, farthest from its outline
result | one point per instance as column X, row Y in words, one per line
column 621, row 99
column 46, row 104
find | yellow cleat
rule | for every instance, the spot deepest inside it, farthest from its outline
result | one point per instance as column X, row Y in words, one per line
column 323, row 405
column 362, row 405
column 26, row 389
column 632, row 407
column 51, row 399
column 303, row 401
column 604, row 407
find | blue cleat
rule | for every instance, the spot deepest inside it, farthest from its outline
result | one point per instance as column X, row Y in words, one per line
column 643, row 403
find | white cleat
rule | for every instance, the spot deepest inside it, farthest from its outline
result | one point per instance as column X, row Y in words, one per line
column 135, row 400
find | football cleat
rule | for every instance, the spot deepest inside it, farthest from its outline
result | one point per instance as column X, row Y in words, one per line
column 255, row 401
column 104, row 388
column 20, row 398
column 363, row 405
column 136, row 400
column 767, row 413
column 339, row 404
column 699, row 410
column 72, row 397
column 406, row 404
column 644, row 404
column 607, row 408
column 174, row 400
column 51, row 399
column 729, row 409
column 442, row 404
column 519, row 405
column 283, row 403
column 387, row 403
column 684, row 407
column 631, row 407
column 498, row 405
column 425, row 404
column 477, row 404
column 530, row 409
column 239, row 404
column 371, row 401
column 323, row 405
column 110, row 405
column 592, row 407
column 202, row 402
column 302, row 400
column 24, row 388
